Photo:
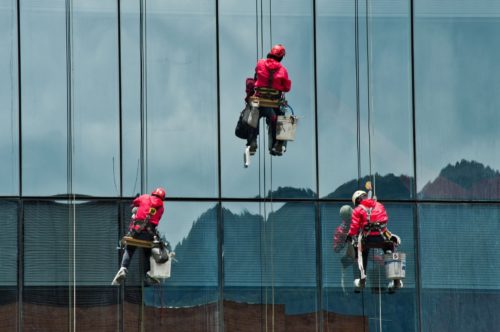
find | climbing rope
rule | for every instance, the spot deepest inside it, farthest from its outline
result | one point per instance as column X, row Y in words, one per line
column 368, row 46
column 267, row 234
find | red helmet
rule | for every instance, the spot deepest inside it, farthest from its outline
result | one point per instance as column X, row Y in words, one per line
column 278, row 50
column 159, row 192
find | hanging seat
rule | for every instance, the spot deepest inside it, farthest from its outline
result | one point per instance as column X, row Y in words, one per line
column 130, row 241
column 267, row 97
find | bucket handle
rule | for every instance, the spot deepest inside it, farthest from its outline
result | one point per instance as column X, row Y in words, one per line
column 289, row 107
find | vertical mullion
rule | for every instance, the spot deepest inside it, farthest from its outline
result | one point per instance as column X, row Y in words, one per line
column 20, row 215
column 414, row 191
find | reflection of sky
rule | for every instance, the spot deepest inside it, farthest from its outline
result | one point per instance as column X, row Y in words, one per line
column 456, row 93
column 8, row 100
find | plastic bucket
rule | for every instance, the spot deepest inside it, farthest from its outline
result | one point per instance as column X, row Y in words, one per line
column 286, row 125
column 160, row 271
column 395, row 265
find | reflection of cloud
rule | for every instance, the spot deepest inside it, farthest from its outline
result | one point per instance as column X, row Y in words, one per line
column 456, row 94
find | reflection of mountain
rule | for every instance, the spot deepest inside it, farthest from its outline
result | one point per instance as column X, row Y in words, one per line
column 464, row 180
column 290, row 192
column 280, row 250
column 388, row 186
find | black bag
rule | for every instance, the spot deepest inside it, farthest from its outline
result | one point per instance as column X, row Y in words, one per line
column 243, row 129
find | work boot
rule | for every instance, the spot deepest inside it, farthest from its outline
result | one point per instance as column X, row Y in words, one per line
column 120, row 276
column 150, row 280
column 394, row 284
column 253, row 147
column 277, row 149
column 359, row 284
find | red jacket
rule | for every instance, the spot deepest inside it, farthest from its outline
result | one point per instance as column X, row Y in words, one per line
column 359, row 216
column 147, row 204
column 280, row 79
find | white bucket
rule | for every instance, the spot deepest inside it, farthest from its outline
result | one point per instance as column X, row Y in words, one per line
column 286, row 126
column 160, row 271
column 395, row 265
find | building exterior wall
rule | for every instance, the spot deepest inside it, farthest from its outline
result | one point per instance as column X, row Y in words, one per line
column 102, row 100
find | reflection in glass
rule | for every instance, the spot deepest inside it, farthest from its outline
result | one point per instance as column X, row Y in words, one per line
column 457, row 100
column 191, row 293
column 9, row 147
column 67, row 260
column 95, row 158
column 8, row 266
column 459, row 271
column 181, row 109
column 375, row 307
column 240, row 48
column 8, row 238
column 371, row 68
column 336, row 84
column 269, row 265
column 44, row 101
column 131, row 96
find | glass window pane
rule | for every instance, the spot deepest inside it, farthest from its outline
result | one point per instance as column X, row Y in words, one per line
column 270, row 263
column 387, row 126
column 44, row 102
column 336, row 83
column 47, row 265
column 382, row 85
column 375, row 308
column 190, row 295
column 95, row 158
column 181, row 97
column 240, row 48
column 8, row 266
column 459, row 271
column 9, row 112
column 457, row 100
column 131, row 96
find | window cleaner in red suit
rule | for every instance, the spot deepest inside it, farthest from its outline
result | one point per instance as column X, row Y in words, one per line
column 147, row 211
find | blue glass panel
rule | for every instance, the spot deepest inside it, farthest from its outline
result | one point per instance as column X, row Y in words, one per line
column 369, row 65
column 336, row 83
column 8, row 266
column 244, row 40
column 459, row 271
column 181, row 97
column 8, row 238
column 95, row 155
column 131, row 96
column 375, row 308
column 270, row 263
column 9, row 114
column 44, row 101
column 457, row 100
column 190, row 228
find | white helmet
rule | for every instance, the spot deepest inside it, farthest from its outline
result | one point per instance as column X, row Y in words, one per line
column 357, row 194
column 346, row 213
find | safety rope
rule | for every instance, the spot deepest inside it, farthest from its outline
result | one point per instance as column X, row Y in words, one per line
column 368, row 46
column 369, row 94
column 267, row 234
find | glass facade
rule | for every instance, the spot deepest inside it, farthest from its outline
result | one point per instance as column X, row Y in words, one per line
column 102, row 100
